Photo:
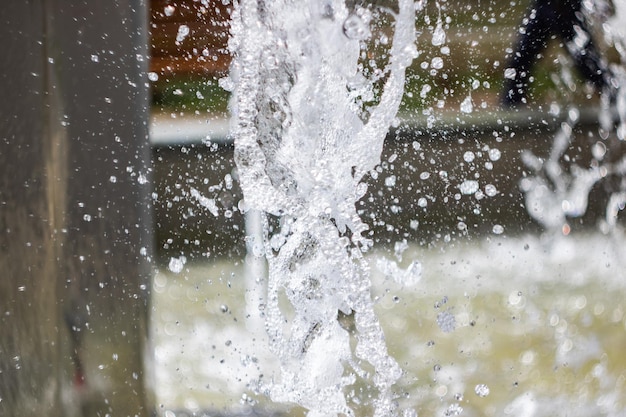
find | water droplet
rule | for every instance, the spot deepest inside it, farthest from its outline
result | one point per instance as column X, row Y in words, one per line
column 510, row 73
column 153, row 76
column 436, row 63
column 183, row 31
column 355, row 28
column 176, row 265
column 494, row 154
column 409, row 412
column 453, row 410
column 491, row 190
column 439, row 35
column 481, row 390
column 95, row 58
column 169, row 10
column 226, row 83
column 497, row 229
column 468, row 187
column 466, row 105
column 446, row 321
column 598, row 150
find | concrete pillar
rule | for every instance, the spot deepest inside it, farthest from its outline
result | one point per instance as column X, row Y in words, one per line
column 75, row 215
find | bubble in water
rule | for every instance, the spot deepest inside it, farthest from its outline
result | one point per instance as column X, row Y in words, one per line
column 224, row 308
column 95, row 58
column 497, row 229
column 176, row 265
column 481, row 390
column 468, row 156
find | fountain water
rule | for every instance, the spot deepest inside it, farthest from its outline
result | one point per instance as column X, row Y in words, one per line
column 316, row 86
column 559, row 189
column 312, row 107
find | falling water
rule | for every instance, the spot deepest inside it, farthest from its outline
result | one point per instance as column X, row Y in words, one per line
column 314, row 96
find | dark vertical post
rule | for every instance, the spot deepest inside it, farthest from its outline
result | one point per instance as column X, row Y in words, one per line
column 75, row 208
column 101, row 58
column 32, row 183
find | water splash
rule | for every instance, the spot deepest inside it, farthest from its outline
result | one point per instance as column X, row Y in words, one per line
column 310, row 112
column 558, row 190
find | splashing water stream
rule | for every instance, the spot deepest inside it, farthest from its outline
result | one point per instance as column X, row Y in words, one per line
column 309, row 124
column 313, row 99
